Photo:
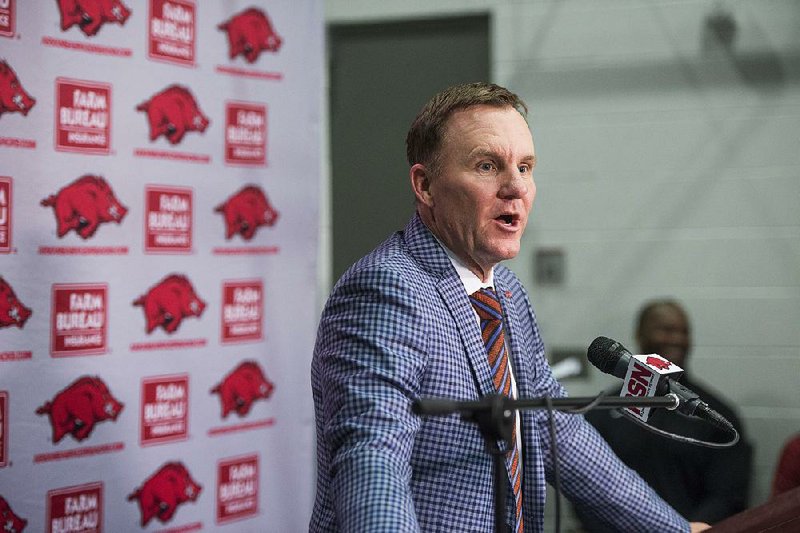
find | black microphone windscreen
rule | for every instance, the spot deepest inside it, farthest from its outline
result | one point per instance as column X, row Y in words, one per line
column 605, row 353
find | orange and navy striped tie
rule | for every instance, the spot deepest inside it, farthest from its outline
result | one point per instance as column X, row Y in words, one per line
column 488, row 307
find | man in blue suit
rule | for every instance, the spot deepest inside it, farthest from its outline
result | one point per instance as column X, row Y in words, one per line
column 401, row 325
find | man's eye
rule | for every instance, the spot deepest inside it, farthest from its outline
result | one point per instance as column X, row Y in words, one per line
column 487, row 167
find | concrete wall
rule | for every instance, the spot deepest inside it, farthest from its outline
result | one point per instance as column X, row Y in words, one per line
column 668, row 166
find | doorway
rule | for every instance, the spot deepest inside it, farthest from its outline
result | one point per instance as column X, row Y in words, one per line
column 380, row 75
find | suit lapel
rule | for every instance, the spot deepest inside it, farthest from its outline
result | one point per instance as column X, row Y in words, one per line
column 452, row 291
column 429, row 254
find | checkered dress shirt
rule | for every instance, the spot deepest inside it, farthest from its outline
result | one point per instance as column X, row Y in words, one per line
column 397, row 327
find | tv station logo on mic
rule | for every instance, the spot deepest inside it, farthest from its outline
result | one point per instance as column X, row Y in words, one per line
column 644, row 374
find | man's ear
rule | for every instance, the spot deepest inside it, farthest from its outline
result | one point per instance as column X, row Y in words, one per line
column 421, row 184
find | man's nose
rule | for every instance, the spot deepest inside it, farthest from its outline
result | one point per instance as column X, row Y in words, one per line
column 676, row 335
column 514, row 184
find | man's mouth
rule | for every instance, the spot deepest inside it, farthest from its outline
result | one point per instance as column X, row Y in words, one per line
column 508, row 219
column 672, row 352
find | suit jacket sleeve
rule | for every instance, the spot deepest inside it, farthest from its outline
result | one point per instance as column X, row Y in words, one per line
column 591, row 475
column 369, row 360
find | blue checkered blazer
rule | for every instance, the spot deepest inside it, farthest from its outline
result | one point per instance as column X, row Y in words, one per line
column 398, row 326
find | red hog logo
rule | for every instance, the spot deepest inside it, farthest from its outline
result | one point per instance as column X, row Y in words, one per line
column 83, row 205
column 659, row 363
column 12, row 311
column 79, row 407
column 172, row 113
column 249, row 33
column 162, row 493
column 246, row 384
column 9, row 521
column 90, row 15
column 246, row 211
column 13, row 98
column 169, row 302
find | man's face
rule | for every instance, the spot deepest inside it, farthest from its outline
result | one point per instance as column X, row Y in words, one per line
column 666, row 332
column 479, row 200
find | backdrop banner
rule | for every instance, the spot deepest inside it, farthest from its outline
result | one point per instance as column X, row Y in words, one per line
column 159, row 188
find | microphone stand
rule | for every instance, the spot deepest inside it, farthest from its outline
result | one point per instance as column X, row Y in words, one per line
column 494, row 415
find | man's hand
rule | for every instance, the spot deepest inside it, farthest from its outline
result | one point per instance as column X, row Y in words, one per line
column 698, row 526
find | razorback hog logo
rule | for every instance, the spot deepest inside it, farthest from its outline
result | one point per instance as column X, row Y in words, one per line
column 13, row 98
column 249, row 33
column 245, row 211
column 162, row 493
column 79, row 407
column 9, row 521
column 172, row 113
column 12, row 311
column 169, row 302
column 90, row 15
column 83, row 205
column 246, row 384
column 657, row 362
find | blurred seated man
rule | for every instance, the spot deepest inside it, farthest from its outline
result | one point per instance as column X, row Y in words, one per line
column 703, row 484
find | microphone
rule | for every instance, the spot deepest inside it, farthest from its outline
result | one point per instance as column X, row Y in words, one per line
column 650, row 375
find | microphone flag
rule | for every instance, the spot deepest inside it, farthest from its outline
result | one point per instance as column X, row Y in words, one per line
column 642, row 379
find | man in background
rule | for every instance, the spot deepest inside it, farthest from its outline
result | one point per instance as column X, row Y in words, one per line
column 431, row 313
column 703, row 484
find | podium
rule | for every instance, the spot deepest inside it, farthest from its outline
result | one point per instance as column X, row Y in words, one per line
column 781, row 514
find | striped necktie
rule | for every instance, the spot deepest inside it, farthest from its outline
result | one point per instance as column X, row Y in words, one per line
column 488, row 308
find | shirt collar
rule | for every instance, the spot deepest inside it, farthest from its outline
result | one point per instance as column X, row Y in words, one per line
column 468, row 278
